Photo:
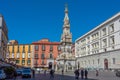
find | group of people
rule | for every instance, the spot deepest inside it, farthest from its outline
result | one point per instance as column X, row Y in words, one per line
column 83, row 73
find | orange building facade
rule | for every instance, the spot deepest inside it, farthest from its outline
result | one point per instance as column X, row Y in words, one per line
column 45, row 53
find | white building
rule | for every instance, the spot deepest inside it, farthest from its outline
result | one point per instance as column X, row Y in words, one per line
column 100, row 47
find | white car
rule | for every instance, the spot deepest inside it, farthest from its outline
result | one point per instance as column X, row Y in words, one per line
column 2, row 74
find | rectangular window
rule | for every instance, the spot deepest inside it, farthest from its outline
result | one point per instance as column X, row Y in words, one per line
column 42, row 56
column 104, row 31
column 42, row 62
column 29, row 55
column 29, row 61
column 36, row 47
column 36, row 55
column 23, row 61
column 17, row 61
column 111, row 28
column 104, row 42
column 23, row 55
column 113, row 60
column 112, row 40
column 51, row 56
column 12, row 55
column 18, row 55
column 43, row 47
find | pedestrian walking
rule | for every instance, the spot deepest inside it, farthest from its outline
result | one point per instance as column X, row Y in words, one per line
column 82, row 74
column 97, row 73
column 33, row 72
column 86, row 74
column 52, row 74
column 77, row 74
column 62, row 72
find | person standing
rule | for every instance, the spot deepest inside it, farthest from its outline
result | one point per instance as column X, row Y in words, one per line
column 33, row 73
column 77, row 74
column 96, row 72
column 86, row 74
column 52, row 74
column 62, row 72
column 82, row 74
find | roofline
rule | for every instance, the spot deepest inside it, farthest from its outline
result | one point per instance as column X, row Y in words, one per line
column 105, row 22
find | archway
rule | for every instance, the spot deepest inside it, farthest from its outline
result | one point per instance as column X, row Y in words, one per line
column 105, row 63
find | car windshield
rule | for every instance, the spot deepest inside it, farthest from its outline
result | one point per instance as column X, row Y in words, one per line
column 26, row 71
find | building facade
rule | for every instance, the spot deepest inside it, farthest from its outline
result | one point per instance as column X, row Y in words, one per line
column 3, row 38
column 65, row 60
column 20, row 54
column 100, row 47
column 45, row 54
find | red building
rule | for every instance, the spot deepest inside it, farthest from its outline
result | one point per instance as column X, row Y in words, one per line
column 45, row 53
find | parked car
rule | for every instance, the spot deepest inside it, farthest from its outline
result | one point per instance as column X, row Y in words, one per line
column 26, row 73
column 2, row 75
column 19, row 72
column 117, row 72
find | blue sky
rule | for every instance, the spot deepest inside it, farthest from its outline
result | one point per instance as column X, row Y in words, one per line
column 31, row 20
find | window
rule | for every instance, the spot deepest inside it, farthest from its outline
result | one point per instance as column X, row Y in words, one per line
column 42, row 56
column 36, row 47
column 112, row 40
column 17, row 61
column 23, row 61
column 18, row 55
column 43, row 47
column 29, row 61
column 28, row 55
column 104, row 42
column 51, row 56
column 111, row 28
column 104, row 31
column 36, row 55
column 42, row 62
column 12, row 55
column 113, row 60
column 51, row 47
column 23, row 55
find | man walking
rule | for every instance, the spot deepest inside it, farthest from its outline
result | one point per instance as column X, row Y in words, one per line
column 86, row 73
column 52, row 74
column 82, row 74
column 77, row 74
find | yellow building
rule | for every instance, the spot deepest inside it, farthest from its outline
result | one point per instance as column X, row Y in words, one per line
column 21, row 54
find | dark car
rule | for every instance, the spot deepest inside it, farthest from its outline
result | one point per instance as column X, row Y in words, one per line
column 19, row 72
column 26, row 73
column 117, row 72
